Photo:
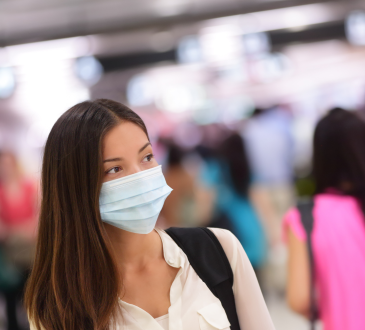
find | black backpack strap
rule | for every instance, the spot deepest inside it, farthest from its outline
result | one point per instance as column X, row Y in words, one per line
column 306, row 215
column 210, row 262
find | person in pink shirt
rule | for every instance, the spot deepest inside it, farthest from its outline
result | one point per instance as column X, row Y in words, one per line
column 18, row 223
column 338, row 236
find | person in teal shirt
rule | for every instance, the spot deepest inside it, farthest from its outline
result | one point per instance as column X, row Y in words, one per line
column 228, row 173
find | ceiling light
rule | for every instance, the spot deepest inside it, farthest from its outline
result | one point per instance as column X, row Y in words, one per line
column 88, row 69
column 355, row 28
column 7, row 82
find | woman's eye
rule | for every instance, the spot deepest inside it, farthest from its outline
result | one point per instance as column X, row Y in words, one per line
column 148, row 158
column 114, row 170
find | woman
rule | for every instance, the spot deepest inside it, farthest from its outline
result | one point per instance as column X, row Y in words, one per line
column 100, row 264
column 338, row 236
column 229, row 174
column 18, row 200
column 18, row 221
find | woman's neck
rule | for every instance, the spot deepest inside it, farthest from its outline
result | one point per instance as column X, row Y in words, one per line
column 134, row 250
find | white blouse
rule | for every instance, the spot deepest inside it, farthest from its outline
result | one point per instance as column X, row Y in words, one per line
column 193, row 306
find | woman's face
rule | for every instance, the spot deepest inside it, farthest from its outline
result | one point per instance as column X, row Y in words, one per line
column 126, row 150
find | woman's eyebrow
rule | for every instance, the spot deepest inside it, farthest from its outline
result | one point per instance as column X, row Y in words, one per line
column 118, row 159
column 144, row 147
column 112, row 160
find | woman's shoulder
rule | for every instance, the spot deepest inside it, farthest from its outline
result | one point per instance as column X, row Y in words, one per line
column 224, row 236
column 327, row 206
column 230, row 244
column 334, row 199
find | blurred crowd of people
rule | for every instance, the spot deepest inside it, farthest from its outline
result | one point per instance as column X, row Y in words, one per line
column 240, row 179
column 244, row 182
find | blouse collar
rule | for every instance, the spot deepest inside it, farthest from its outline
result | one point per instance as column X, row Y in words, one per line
column 173, row 255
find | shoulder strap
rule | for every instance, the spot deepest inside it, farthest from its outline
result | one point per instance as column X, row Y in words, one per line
column 210, row 262
column 306, row 216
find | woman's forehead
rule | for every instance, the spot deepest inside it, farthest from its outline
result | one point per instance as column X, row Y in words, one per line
column 123, row 137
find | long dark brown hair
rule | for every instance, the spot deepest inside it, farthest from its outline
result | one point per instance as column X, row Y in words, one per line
column 339, row 154
column 74, row 283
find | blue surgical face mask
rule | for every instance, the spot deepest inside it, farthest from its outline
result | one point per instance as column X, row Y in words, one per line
column 134, row 202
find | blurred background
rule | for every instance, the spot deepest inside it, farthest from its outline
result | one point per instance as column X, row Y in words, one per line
column 230, row 91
